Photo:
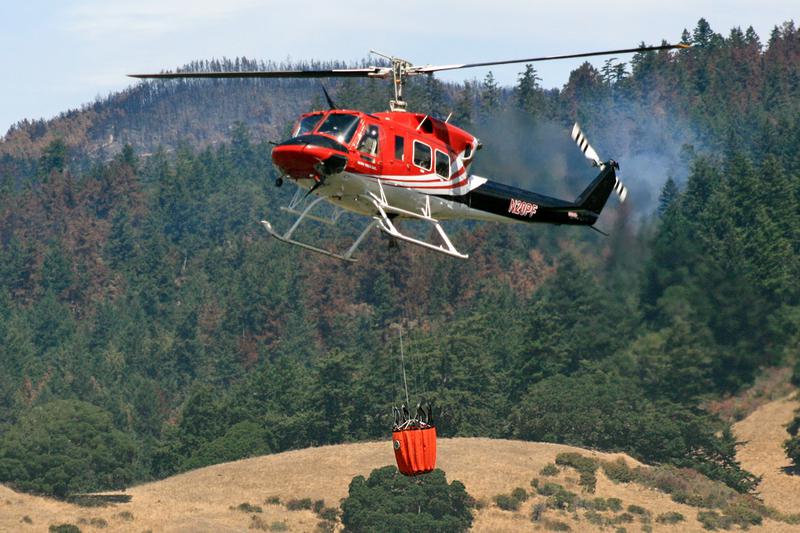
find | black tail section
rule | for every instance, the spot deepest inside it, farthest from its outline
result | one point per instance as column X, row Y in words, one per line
column 527, row 206
column 595, row 196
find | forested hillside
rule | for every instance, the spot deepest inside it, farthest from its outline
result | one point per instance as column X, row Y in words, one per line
column 145, row 316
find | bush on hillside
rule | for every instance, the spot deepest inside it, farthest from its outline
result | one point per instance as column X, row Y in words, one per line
column 792, row 445
column 64, row 447
column 604, row 410
column 391, row 502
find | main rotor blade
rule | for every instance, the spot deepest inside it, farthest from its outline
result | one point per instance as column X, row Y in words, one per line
column 430, row 69
column 369, row 72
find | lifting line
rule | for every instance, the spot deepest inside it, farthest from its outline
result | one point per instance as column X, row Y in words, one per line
column 403, row 365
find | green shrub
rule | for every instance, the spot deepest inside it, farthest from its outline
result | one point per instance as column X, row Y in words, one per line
column 99, row 523
column 792, row 445
column 671, row 517
column 422, row 503
column 278, row 526
column 548, row 489
column 27, row 519
column 636, row 509
column 558, row 496
column 618, row 471
column 599, row 504
column 556, row 525
column 577, row 461
column 620, row 530
column 588, row 481
column 586, row 467
column 273, row 500
column 126, row 516
column 743, row 515
column 329, row 513
column 593, row 517
column 614, row 504
column 318, row 505
column 506, row 502
column 712, row 520
column 549, row 470
column 519, row 494
column 624, row 518
column 299, row 504
column 562, row 500
column 64, row 528
column 248, row 508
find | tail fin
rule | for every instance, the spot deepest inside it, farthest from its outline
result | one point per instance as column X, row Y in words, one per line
column 596, row 195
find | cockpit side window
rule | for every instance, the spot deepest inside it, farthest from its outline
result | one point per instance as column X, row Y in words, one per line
column 442, row 164
column 306, row 124
column 422, row 155
column 340, row 126
column 368, row 144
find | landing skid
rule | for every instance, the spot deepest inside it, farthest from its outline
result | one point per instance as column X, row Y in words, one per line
column 387, row 226
column 383, row 220
column 287, row 237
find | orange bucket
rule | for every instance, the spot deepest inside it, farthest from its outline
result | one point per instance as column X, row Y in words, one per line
column 415, row 450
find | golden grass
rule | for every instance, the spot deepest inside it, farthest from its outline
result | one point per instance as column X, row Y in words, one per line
column 763, row 434
column 206, row 499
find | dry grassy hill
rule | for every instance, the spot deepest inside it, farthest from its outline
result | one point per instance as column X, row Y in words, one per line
column 207, row 499
column 763, row 433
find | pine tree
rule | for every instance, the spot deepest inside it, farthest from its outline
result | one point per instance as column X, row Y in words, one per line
column 669, row 194
column 528, row 91
column 490, row 95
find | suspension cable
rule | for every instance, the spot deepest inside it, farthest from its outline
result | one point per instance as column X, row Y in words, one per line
column 403, row 364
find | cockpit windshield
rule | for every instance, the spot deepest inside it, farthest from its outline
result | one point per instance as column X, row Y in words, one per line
column 306, row 124
column 340, row 126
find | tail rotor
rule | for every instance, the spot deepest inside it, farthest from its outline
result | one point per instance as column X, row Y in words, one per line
column 591, row 154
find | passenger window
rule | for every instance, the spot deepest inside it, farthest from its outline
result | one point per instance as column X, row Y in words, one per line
column 442, row 164
column 422, row 155
column 399, row 147
column 369, row 141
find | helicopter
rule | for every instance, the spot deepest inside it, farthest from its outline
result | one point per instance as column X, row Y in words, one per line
column 398, row 164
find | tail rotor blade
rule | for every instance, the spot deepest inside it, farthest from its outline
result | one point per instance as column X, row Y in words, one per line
column 583, row 143
column 620, row 189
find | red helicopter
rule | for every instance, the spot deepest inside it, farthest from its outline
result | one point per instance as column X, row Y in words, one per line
column 403, row 165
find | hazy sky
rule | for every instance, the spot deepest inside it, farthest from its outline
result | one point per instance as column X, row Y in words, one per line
column 56, row 55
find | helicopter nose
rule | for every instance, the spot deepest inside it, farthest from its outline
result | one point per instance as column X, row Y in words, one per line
column 302, row 160
column 296, row 160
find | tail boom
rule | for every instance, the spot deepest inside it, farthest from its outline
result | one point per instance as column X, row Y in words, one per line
column 512, row 204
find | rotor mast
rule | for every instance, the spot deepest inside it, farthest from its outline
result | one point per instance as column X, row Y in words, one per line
column 400, row 69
